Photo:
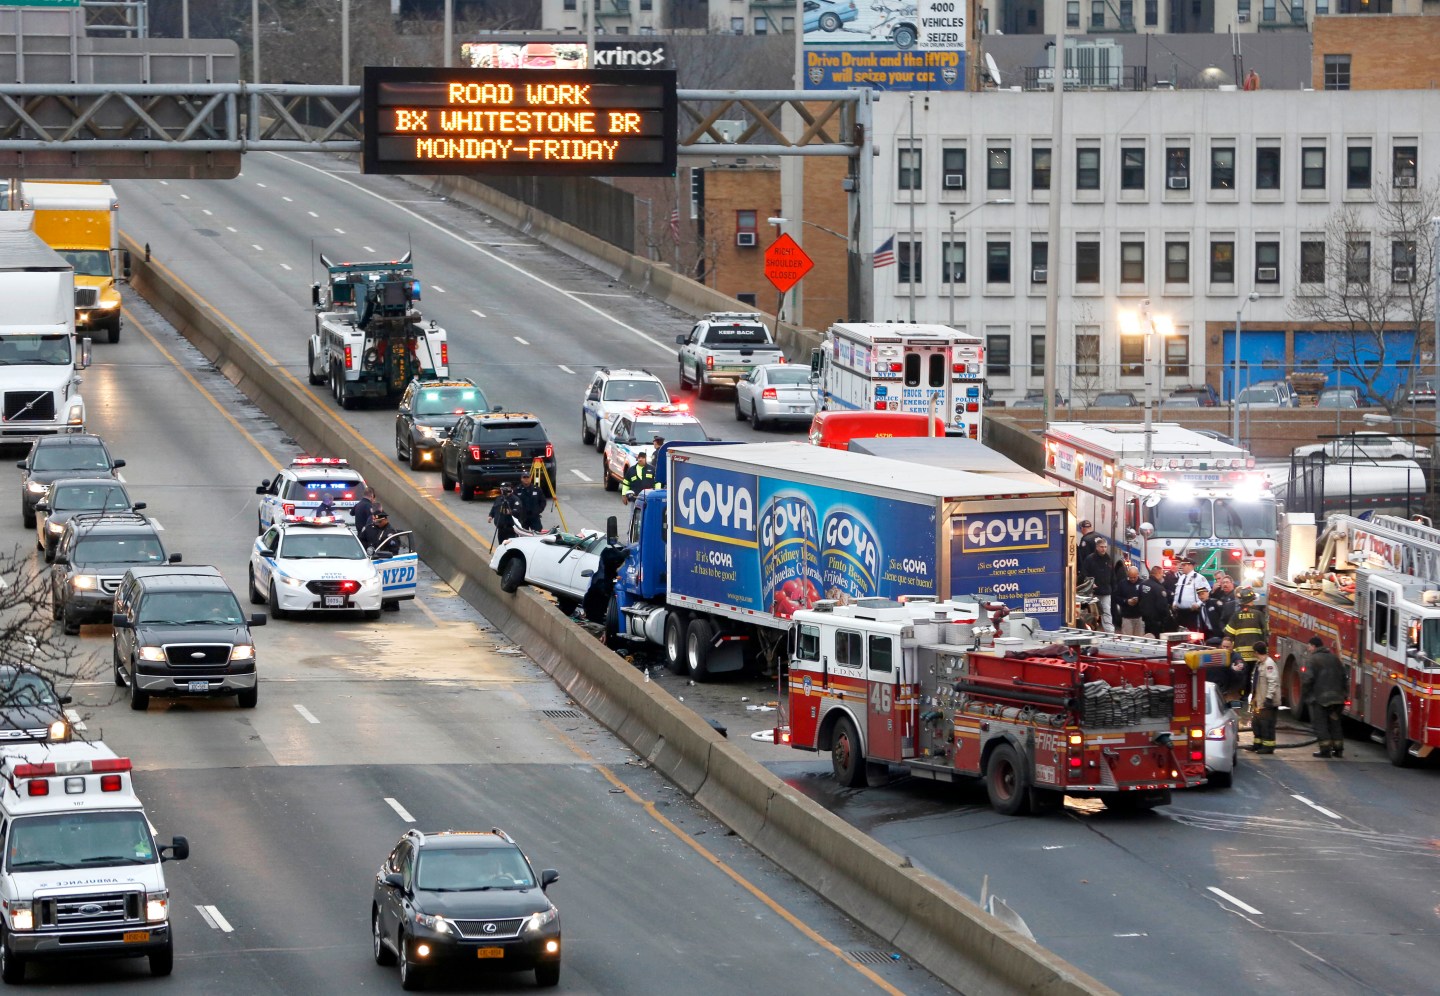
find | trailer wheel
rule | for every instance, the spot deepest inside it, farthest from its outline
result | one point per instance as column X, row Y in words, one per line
column 347, row 401
column 1397, row 745
column 1006, row 781
column 847, row 761
column 675, row 642
column 697, row 648
column 310, row 365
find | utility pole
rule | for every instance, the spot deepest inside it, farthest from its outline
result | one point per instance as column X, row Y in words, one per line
column 345, row 41
column 914, row 176
column 1052, row 249
column 254, row 41
column 449, row 55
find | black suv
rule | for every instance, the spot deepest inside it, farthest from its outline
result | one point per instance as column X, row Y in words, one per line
column 68, row 496
column 54, row 457
column 428, row 411
column 488, row 449
column 464, row 898
column 30, row 709
column 180, row 631
column 91, row 557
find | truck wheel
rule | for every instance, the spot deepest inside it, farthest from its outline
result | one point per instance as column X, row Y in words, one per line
column 847, row 762
column 347, row 400
column 512, row 574
column 115, row 667
column 697, row 648
column 611, row 484
column 139, row 699
column 587, row 438
column 114, row 330
column 162, row 961
column 1397, row 745
column 27, row 516
column 684, row 384
column 1006, row 782
column 12, row 966
column 675, row 642
column 310, row 365
column 1299, row 708
column 71, row 626
column 702, row 389
column 248, row 698
column 255, row 597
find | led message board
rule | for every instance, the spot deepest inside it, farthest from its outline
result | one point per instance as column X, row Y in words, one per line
column 597, row 122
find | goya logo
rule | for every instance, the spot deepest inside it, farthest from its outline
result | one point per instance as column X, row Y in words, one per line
column 992, row 533
column 720, row 504
column 849, row 556
column 789, row 554
column 397, row 575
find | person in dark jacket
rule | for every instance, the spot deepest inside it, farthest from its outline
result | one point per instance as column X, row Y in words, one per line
column 502, row 513
column 363, row 509
column 1219, row 607
column 377, row 530
column 529, row 503
column 639, row 476
column 1128, row 596
column 1088, row 536
column 1155, row 599
column 1324, row 688
column 1097, row 567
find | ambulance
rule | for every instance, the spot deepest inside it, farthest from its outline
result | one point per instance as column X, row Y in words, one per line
column 82, row 874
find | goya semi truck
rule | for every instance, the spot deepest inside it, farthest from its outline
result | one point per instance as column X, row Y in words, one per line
column 81, row 221
column 743, row 536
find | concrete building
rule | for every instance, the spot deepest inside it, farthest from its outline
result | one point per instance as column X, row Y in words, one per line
column 647, row 17
column 1158, row 17
column 1191, row 200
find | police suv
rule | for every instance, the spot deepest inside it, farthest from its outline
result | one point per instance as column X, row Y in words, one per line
column 301, row 487
column 82, row 874
column 616, row 392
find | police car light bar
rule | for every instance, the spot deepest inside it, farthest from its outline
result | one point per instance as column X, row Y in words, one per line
column 675, row 409
column 308, row 461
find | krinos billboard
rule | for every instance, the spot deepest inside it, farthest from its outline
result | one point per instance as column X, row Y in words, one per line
column 889, row 46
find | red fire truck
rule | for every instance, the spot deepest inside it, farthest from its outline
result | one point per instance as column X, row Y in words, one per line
column 1373, row 594
column 927, row 685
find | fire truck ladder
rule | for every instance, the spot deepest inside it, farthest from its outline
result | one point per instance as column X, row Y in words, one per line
column 1420, row 542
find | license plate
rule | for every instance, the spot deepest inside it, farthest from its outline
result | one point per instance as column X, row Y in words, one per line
column 334, row 601
column 135, row 936
column 512, row 453
column 797, row 408
column 489, row 952
column 198, row 686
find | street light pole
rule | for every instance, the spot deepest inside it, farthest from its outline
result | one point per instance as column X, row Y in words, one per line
column 1147, row 329
column 254, row 41
column 345, row 41
column 449, row 55
column 1235, row 393
column 910, row 253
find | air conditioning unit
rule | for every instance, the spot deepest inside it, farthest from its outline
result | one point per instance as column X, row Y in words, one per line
column 1243, row 17
column 1267, row 274
column 1178, row 183
column 1038, row 275
column 745, row 239
column 1404, row 181
column 955, row 181
column 1402, row 274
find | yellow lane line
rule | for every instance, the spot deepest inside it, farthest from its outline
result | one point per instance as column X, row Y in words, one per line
column 715, row 860
column 304, row 388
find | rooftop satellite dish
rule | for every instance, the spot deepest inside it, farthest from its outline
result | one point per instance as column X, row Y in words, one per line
column 992, row 69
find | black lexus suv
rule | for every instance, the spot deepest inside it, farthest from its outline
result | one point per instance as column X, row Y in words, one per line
column 463, row 898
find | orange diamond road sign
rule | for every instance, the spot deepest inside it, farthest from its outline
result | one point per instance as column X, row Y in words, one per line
column 786, row 263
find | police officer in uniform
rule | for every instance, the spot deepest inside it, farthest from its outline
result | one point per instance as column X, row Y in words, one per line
column 1324, row 689
column 638, row 477
column 529, row 503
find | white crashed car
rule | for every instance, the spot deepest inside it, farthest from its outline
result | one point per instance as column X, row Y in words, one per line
column 304, row 565
column 560, row 563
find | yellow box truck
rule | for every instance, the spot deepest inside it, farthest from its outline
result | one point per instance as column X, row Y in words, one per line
column 81, row 221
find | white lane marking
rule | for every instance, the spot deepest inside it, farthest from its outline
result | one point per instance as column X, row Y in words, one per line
column 75, row 721
column 312, row 214
column 1231, row 899
column 601, row 294
column 565, row 368
column 257, row 248
column 368, row 248
column 339, row 231
column 581, row 474
column 215, row 919
column 259, row 184
column 185, row 196
column 285, row 266
column 290, row 200
column 165, row 182
column 309, row 716
column 477, row 312
column 208, row 211
column 437, row 287
column 1051, row 847
column 599, row 312
column 231, row 228
column 1132, row 935
column 400, row 810
column 520, row 340
column 1318, row 808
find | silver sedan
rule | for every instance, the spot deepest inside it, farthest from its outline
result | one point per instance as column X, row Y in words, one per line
column 773, row 393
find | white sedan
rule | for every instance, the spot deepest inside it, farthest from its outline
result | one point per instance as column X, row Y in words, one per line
column 313, row 565
column 560, row 563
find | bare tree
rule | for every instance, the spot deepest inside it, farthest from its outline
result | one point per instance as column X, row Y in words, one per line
column 1376, row 279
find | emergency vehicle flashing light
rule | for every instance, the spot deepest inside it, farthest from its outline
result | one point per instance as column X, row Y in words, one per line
column 679, row 408
column 309, row 461
column 37, row 776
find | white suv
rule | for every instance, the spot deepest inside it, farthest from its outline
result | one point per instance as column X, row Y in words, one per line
column 616, row 392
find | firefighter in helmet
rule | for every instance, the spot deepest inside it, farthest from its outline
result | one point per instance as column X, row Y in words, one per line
column 1247, row 627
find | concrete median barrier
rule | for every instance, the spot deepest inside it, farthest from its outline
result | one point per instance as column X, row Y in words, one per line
column 932, row 923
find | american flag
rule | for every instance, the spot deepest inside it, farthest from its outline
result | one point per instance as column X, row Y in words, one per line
column 675, row 224
column 885, row 255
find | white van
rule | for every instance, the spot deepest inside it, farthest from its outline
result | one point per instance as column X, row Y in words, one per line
column 82, row 874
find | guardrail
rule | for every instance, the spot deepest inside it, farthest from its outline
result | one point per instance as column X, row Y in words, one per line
column 935, row 925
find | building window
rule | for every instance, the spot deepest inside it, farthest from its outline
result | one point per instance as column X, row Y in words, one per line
column 1267, row 262
column 1177, row 262
column 1403, row 165
column 737, row 25
column 624, row 29
column 1267, row 11
column 1087, row 262
column 1039, row 262
column 1357, row 167
column 1152, row 13
column 1087, row 351
column 1087, row 169
column 1039, row 168
column 1243, row 7
column 910, row 161
column 997, row 354
column 997, row 262
column 1322, row 7
column 1127, row 14
column 1097, row 14
column 1132, row 262
column 1357, row 261
column 1132, row 355
column 762, row 25
column 1312, row 168
column 1222, row 168
column 952, row 169
column 952, row 262
column 1402, row 262
column 1267, row 167
column 1177, row 167
column 908, row 255
column 1037, row 356
column 1072, row 13
column 1222, row 262
column 647, row 4
column 1132, row 169
column 1312, row 262
column 569, row 5
column 745, row 223
column 787, row 25
column 1337, row 72
column 997, row 169
column 1177, row 355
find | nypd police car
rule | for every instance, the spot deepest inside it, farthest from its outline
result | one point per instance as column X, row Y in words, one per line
column 616, row 392
column 300, row 488
column 630, row 433
column 318, row 564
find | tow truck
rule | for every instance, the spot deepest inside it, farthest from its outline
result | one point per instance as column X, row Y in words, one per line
column 1372, row 595
column 370, row 341
column 931, row 687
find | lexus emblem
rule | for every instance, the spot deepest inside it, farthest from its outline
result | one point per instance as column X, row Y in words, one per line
column 197, row 656
column 489, row 928
column 91, row 909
